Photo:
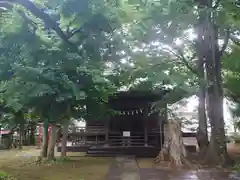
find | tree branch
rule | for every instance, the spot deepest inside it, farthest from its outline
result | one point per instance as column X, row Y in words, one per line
column 226, row 41
column 235, row 40
column 185, row 61
column 216, row 5
column 46, row 19
column 73, row 32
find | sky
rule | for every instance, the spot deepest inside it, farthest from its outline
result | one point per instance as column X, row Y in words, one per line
column 193, row 103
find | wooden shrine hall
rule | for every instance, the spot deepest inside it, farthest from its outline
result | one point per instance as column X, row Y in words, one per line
column 137, row 127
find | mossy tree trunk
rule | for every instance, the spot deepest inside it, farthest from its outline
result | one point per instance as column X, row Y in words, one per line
column 44, row 148
column 52, row 142
column 174, row 149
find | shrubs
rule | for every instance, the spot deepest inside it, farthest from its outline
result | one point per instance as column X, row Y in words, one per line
column 6, row 176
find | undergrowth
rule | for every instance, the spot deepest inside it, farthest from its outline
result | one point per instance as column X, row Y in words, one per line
column 236, row 168
column 6, row 176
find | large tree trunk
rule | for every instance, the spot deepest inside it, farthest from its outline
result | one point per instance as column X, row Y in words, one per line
column 174, row 149
column 64, row 138
column 217, row 153
column 44, row 148
column 52, row 142
column 209, row 49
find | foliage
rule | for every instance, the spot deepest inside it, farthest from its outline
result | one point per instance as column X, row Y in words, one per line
column 6, row 176
column 57, row 58
column 231, row 67
column 47, row 76
column 62, row 59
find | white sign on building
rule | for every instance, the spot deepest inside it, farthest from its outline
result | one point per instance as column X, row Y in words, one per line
column 126, row 133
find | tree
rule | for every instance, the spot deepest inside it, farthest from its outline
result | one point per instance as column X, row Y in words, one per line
column 209, row 20
column 49, row 74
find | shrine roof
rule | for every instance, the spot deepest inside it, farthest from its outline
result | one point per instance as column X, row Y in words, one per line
column 135, row 99
column 151, row 96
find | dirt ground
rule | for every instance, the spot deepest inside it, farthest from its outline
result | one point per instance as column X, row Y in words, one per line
column 234, row 152
column 76, row 167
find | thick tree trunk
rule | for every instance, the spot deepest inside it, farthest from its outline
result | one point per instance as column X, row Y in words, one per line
column 64, row 139
column 217, row 153
column 174, row 149
column 44, row 148
column 209, row 49
column 52, row 142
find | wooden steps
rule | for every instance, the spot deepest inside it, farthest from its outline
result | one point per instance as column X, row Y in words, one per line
column 141, row 151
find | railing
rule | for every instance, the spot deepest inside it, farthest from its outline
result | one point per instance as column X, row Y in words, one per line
column 92, row 136
column 88, row 129
column 117, row 139
column 136, row 139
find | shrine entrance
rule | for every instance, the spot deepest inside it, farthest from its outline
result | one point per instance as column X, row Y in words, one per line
column 127, row 129
column 137, row 121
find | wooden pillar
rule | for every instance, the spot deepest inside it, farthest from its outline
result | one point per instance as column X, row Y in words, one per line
column 145, row 126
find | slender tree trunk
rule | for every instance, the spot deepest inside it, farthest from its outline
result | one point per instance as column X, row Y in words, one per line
column 202, row 133
column 44, row 147
column 64, row 138
column 21, row 135
column 52, row 142
column 32, row 134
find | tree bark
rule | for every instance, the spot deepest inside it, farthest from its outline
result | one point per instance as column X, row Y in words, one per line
column 202, row 132
column 21, row 135
column 52, row 142
column 209, row 49
column 44, row 148
column 174, row 149
column 64, row 138
column 32, row 134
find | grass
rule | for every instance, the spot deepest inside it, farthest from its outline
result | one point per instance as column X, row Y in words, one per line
column 75, row 167
column 146, row 162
